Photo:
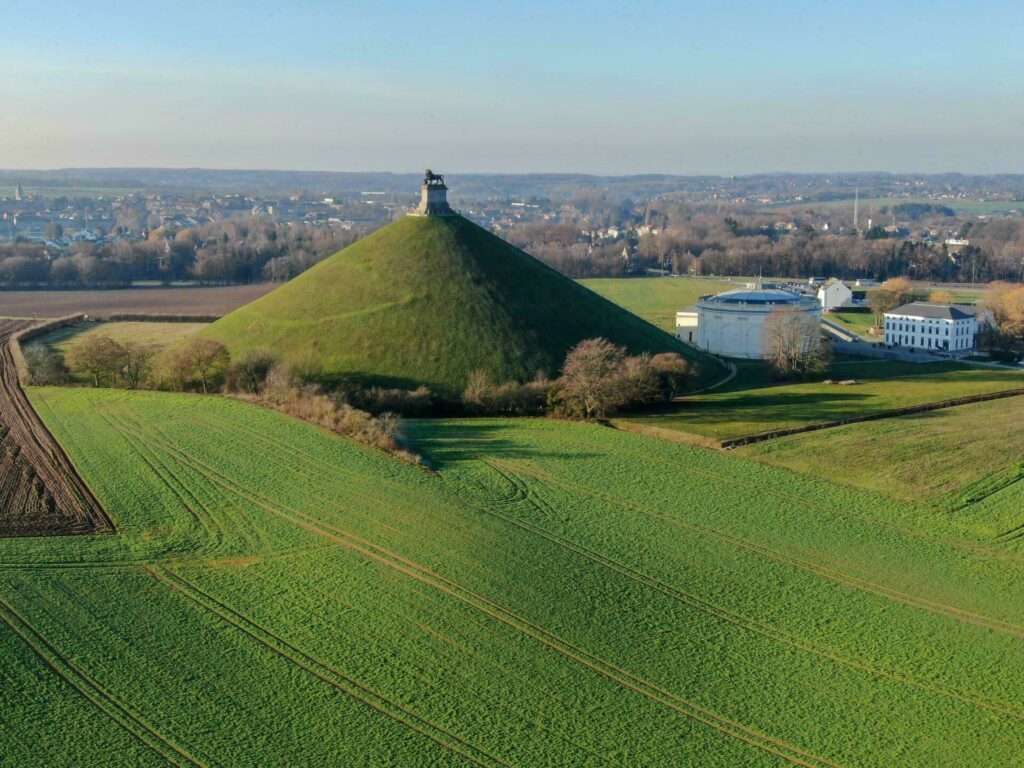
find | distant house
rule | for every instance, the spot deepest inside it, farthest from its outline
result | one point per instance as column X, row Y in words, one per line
column 922, row 325
column 834, row 294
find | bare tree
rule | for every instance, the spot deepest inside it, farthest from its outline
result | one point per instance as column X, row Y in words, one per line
column 206, row 359
column 98, row 356
column 589, row 386
column 891, row 294
column 136, row 363
column 794, row 345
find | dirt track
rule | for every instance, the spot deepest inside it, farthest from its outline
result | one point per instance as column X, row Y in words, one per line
column 40, row 492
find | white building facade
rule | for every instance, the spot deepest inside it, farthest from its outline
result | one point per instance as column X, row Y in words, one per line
column 731, row 324
column 937, row 327
column 834, row 294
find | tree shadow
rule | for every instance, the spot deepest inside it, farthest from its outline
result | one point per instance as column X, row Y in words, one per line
column 445, row 443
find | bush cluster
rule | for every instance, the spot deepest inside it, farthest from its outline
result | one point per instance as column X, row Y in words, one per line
column 283, row 392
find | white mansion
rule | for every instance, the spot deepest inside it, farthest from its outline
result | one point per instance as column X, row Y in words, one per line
column 920, row 325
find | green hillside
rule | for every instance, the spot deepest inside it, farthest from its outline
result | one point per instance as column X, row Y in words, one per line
column 427, row 301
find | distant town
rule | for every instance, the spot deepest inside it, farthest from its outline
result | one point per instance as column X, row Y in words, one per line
column 126, row 227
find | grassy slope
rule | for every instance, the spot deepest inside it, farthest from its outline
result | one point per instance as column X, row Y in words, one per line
column 942, row 457
column 657, row 299
column 429, row 300
column 881, row 386
column 558, row 595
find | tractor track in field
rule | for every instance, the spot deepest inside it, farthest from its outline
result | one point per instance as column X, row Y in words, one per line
column 585, row 659
column 41, row 492
column 93, row 692
column 523, row 494
column 205, row 519
column 820, row 569
column 324, row 672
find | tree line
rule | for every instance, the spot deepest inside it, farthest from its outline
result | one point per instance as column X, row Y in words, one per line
column 250, row 250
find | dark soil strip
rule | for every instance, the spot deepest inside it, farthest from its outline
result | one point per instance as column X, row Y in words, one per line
column 41, row 493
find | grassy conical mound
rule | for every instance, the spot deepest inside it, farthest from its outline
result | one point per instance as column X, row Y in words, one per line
column 427, row 301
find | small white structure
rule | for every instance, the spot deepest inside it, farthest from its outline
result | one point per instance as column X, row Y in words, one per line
column 834, row 294
column 921, row 325
column 732, row 323
column 686, row 325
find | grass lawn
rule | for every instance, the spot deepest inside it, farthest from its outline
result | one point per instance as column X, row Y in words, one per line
column 157, row 334
column 972, row 454
column 657, row 299
column 881, row 386
column 556, row 594
column 855, row 322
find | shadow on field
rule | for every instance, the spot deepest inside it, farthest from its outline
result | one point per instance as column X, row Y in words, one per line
column 444, row 442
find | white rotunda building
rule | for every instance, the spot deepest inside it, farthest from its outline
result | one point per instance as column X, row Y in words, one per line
column 731, row 324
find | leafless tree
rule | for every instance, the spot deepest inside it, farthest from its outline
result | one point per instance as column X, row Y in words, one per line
column 794, row 345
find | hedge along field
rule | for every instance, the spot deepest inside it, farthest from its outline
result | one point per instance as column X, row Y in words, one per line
column 557, row 594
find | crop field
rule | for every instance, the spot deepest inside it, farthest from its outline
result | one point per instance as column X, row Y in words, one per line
column 161, row 301
column 40, row 493
column 554, row 594
column 657, row 299
column 158, row 334
column 967, row 460
column 881, row 386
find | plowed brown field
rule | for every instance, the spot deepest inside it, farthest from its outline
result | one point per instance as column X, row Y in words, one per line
column 40, row 491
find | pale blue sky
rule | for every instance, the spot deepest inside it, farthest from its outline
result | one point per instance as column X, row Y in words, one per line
column 603, row 87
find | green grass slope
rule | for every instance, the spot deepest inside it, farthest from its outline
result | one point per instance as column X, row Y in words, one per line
column 427, row 301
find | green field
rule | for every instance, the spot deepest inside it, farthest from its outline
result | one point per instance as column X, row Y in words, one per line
column 556, row 594
column 157, row 334
column 745, row 408
column 969, row 456
column 856, row 322
column 657, row 299
column 970, row 207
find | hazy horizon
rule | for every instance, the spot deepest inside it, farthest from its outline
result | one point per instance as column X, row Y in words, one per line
column 598, row 88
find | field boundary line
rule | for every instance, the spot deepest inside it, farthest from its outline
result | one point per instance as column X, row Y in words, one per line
column 737, row 619
column 92, row 691
column 622, row 677
column 324, row 672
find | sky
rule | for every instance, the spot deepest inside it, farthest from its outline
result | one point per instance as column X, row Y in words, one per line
column 593, row 87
